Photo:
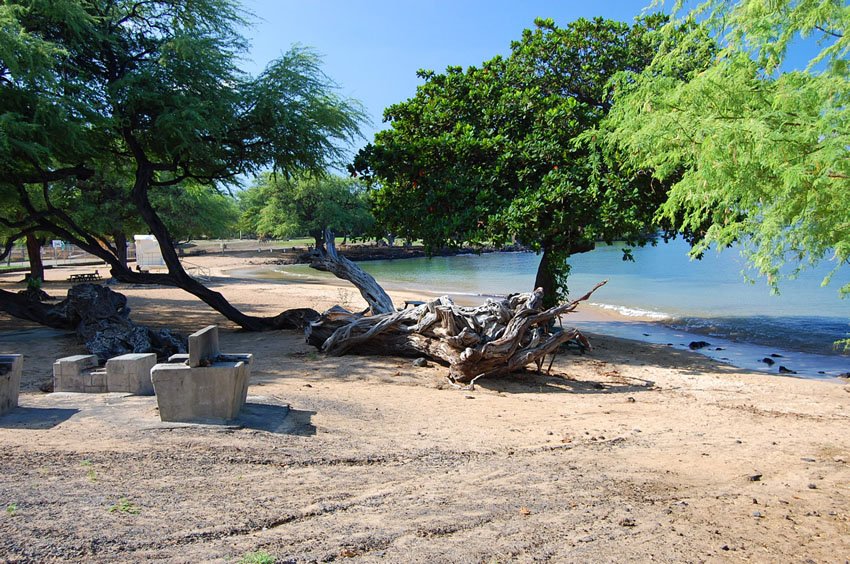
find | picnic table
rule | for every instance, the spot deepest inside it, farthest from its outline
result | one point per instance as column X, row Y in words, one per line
column 88, row 277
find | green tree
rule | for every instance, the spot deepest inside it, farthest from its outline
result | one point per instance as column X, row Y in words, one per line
column 150, row 92
column 490, row 154
column 757, row 157
column 305, row 204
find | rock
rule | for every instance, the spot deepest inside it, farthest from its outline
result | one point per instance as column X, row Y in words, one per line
column 421, row 362
column 812, row 486
column 755, row 477
column 775, row 355
column 768, row 361
column 103, row 323
column 719, row 349
column 844, row 375
column 783, row 370
column 627, row 522
column 696, row 345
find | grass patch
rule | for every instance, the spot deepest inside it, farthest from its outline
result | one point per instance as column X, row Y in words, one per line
column 259, row 557
column 124, row 505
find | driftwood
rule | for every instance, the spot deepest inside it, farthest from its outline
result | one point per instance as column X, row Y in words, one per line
column 498, row 337
column 329, row 260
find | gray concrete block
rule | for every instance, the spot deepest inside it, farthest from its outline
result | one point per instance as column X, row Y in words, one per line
column 130, row 373
column 71, row 374
column 203, row 345
column 11, row 366
column 179, row 357
column 185, row 393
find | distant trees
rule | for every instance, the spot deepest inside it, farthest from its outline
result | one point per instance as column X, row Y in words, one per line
column 493, row 153
column 306, row 204
column 144, row 100
column 754, row 155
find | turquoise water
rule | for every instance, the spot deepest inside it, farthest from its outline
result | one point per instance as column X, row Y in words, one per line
column 708, row 297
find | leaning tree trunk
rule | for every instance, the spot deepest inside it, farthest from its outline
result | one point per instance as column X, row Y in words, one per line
column 496, row 338
column 329, row 260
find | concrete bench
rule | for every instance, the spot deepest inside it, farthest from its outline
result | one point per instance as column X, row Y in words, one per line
column 128, row 373
column 76, row 374
column 11, row 366
column 206, row 385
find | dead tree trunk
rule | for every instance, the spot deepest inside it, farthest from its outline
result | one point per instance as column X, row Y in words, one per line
column 329, row 260
column 496, row 338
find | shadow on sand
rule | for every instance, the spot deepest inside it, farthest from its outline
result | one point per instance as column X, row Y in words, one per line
column 36, row 417
column 280, row 419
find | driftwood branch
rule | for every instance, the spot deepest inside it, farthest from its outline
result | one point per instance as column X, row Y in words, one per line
column 498, row 337
column 329, row 260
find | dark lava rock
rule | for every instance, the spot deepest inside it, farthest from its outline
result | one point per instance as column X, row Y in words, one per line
column 783, row 370
column 844, row 375
column 768, row 361
column 102, row 321
column 755, row 477
column 696, row 345
column 775, row 355
column 421, row 362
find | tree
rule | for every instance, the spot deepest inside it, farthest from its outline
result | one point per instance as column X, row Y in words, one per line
column 149, row 92
column 309, row 204
column 491, row 154
column 757, row 156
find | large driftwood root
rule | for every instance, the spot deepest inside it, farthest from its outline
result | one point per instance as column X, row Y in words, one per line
column 498, row 337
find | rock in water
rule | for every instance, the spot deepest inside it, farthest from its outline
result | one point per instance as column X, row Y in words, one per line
column 768, row 361
column 696, row 345
column 783, row 370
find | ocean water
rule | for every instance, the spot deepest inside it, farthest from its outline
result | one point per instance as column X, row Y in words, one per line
column 664, row 297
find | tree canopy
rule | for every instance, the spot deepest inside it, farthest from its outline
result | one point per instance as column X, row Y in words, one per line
column 149, row 96
column 757, row 156
column 307, row 204
column 490, row 154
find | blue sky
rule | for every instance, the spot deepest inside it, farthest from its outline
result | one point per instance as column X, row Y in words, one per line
column 373, row 48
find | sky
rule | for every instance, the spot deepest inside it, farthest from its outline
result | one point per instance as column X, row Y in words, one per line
column 373, row 48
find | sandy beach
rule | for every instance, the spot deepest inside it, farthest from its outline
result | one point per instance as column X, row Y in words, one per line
column 633, row 452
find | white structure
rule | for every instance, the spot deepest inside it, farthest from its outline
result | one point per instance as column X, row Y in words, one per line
column 148, row 254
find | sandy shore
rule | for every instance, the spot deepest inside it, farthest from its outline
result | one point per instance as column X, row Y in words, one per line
column 634, row 452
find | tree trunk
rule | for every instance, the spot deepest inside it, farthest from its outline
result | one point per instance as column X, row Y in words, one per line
column 34, row 252
column 545, row 279
column 327, row 259
column 120, row 239
column 22, row 307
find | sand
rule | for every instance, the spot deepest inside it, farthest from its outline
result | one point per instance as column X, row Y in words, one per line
column 633, row 452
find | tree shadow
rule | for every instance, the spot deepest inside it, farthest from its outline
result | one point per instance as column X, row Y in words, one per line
column 529, row 381
column 278, row 419
column 36, row 418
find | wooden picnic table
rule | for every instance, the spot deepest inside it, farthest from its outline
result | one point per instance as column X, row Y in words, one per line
column 88, row 277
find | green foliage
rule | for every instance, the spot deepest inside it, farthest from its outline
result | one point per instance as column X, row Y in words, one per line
column 280, row 207
column 258, row 557
column 492, row 154
column 756, row 157
column 124, row 505
column 11, row 509
column 125, row 112
column 34, row 283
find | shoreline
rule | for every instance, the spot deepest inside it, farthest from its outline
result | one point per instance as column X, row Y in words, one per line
column 606, row 320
